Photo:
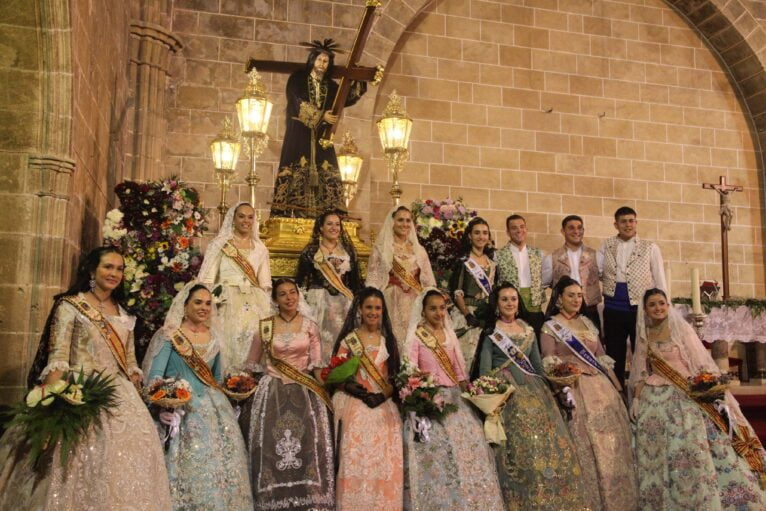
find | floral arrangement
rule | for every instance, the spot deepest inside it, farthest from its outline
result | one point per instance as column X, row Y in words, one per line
column 341, row 369
column 168, row 393
column 419, row 394
column 440, row 226
column 154, row 227
column 487, row 385
column 239, row 385
column 63, row 412
column 489, row 394
column 559, row 372
column 708, row 387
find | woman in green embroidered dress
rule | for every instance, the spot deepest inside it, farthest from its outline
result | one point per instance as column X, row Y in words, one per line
column 470, row 288
column 537, row 466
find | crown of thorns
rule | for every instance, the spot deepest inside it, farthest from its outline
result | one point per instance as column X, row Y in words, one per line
column 328, row 45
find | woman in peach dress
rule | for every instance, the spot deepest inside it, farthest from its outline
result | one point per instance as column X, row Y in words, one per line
column 367, row 424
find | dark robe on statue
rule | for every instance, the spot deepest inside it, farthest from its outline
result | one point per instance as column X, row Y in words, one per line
column 308, row 180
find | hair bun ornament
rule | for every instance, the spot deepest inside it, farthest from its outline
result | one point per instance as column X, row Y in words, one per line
column 328, row 45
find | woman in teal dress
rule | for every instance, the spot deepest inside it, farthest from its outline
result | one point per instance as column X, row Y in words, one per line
column 537, row 466
column 206, row 460
column 686, row 458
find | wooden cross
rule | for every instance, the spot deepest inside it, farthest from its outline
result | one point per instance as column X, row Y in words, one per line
column 724, row 190
column 351, row 71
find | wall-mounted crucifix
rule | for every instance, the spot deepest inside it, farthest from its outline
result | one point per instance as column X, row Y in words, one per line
column 724, row 189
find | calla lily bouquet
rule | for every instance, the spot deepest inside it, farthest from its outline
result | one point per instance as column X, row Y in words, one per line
column 62, row 411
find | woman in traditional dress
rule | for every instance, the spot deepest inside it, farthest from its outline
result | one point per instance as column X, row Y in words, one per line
column 118, row 465
column 399, row 267
column 600, row 426
column 687, row 459
column 236, row 269
column 287, row 424
column 328, row 272
column 471, row 284
column 537, row 466
column 367, row 424
column 455, row 469
column 206, row 459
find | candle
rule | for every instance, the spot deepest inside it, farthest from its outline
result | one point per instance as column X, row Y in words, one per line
column 696, row 303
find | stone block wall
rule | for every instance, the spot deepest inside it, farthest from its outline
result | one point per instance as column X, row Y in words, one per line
column 541, row 107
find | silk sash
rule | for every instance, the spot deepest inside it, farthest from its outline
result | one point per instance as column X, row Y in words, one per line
column 299, row 377
column 514, row 354
column 405, row 276
column 357, row 348
column 430, row 341
column 478, row 275
column 575, row 346
column 108, row 332
column 235, row 255
column 328, row 272
column 186, row 351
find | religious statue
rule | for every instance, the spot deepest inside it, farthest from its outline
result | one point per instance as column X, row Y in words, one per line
column 308, row 180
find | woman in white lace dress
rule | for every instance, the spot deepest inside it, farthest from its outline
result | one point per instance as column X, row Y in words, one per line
column 236, row 268
column 399, row 267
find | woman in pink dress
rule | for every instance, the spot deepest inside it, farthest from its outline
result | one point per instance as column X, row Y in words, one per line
column 455, row 469
column 367, row 424
column 287, row 423
column 399, row 267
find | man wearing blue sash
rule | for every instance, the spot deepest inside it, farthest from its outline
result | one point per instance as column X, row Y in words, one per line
column 526, row 268
column 628, row 266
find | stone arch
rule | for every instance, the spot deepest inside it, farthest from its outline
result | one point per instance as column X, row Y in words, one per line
column 738, row 41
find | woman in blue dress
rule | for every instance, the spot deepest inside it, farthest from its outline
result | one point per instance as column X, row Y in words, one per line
column 206, row 460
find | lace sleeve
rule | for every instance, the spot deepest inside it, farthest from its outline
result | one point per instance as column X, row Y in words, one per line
column 427, row 278
column 62, row 331
column 377, row 277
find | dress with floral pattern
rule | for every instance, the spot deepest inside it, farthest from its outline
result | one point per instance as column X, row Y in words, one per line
column 206, row 460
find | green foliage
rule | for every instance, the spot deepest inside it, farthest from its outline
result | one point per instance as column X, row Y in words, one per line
column 344, row 372
column 44, row 426
column 756, row 306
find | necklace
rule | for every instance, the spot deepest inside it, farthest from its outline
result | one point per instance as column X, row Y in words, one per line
column 288, row 320
column 100, row 301
column 480, row 255
column 507, row 321
column 567, row 316
column 329, row 249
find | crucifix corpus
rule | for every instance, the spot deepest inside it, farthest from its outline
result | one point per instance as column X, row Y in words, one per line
column 308, row 180
column 724, row 189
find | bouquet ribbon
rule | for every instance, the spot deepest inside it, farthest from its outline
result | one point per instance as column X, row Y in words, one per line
column 421, row 426
column 568, row 397
column 175, row 425
column 722, row 408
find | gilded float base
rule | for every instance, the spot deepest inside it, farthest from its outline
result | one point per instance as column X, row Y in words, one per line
column 286, row 237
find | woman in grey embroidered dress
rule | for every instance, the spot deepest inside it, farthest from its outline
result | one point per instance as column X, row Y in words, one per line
column 470, row 284
column 236, row 268
column 537, row 466
column 206, row 459
column 455, row 469
column 116, row 466
column 287, row 424
column 599, row 425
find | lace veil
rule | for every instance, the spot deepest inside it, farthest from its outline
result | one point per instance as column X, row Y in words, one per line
column 384, row 251
column 209, row 268
column 173, row 321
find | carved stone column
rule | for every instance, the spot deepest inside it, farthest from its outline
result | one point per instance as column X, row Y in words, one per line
column 151, row 46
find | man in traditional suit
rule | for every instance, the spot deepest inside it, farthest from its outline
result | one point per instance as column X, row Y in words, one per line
column 629, row 266
column 579, row 262
column 526, row 268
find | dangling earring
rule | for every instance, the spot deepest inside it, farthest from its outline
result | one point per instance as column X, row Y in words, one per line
column 92, row 284
column 559, row 303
